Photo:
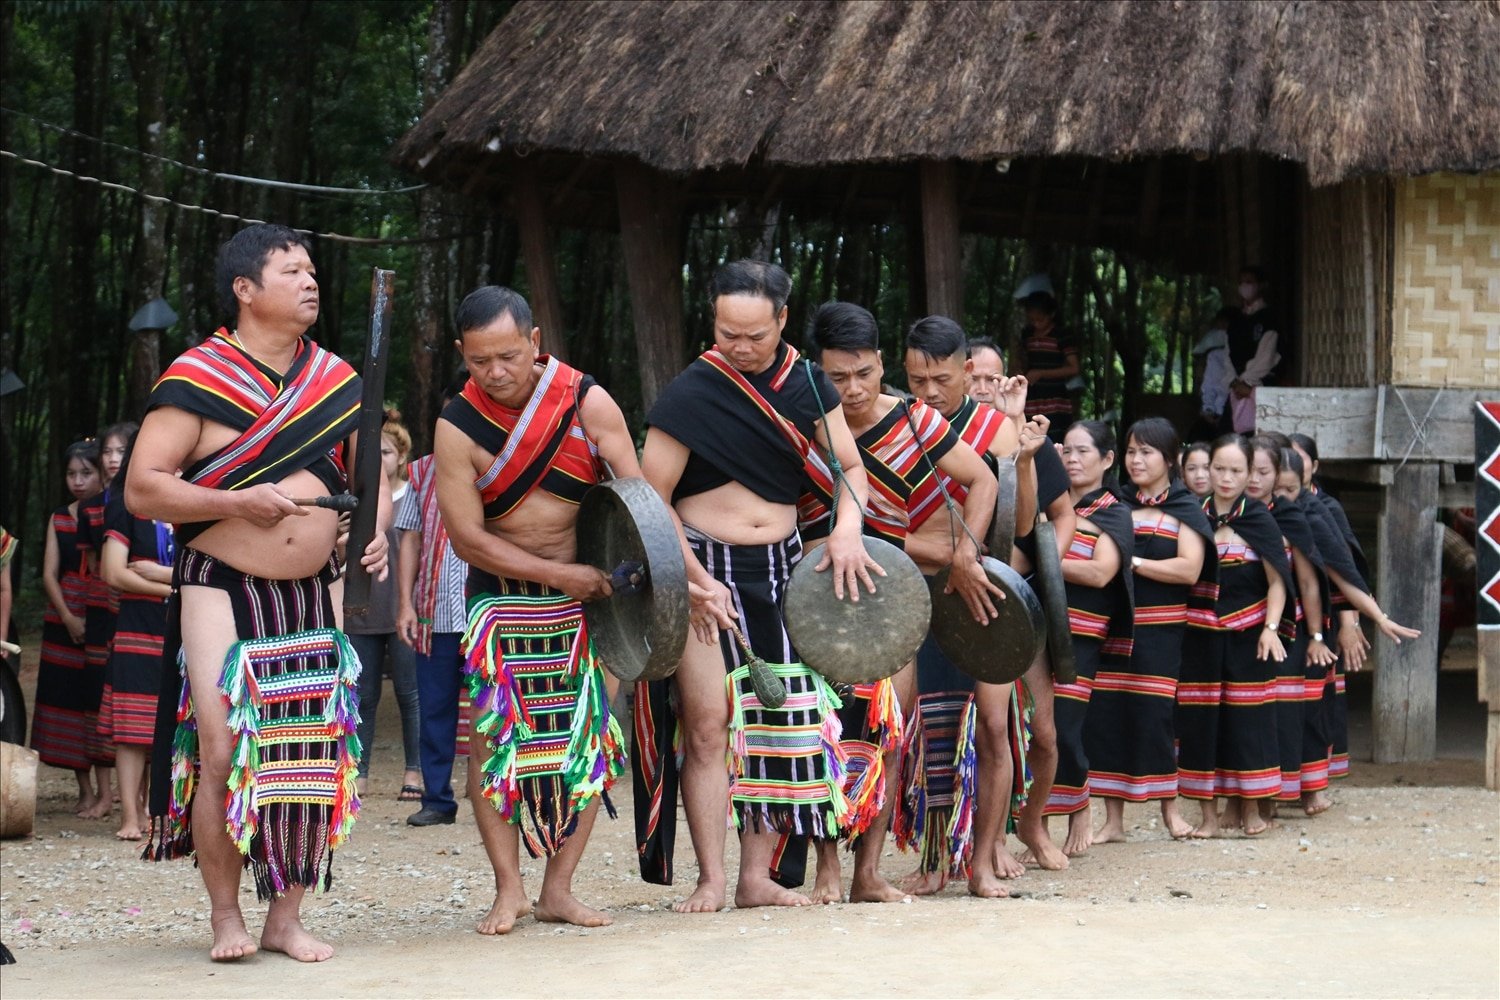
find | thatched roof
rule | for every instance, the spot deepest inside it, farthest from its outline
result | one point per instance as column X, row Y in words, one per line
column 1344, row 88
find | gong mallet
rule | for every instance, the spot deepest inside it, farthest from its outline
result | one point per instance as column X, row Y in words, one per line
column 344, row 503
column 365, row 481
column 770, row 690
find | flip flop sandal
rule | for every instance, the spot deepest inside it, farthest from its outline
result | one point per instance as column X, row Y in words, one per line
column 409, row 793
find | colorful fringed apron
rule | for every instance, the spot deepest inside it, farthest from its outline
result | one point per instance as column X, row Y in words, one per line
column 873, row 727
column 786, row 764
column 940, row 766
column 541, row 703
column 293, row 714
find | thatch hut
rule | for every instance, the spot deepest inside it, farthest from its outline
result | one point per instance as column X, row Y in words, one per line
column 1354, row 148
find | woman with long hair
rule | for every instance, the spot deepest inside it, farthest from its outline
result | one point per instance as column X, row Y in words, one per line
column 101, row 603
column 66, row 705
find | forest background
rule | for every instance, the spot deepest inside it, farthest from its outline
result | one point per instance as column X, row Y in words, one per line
column 120, row 123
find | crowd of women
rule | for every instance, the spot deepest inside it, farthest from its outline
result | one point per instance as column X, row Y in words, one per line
column 1244, row 583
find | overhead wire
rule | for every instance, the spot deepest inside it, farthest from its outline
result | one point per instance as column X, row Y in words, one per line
column 232, row 216
column 215, row 174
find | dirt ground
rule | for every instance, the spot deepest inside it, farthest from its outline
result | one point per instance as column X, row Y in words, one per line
column 1393, row 892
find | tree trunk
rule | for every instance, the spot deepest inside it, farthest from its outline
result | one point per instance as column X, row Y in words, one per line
column 653, row 265
column 429, row 282
column 151, row 247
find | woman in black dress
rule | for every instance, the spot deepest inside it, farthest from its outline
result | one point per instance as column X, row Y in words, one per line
column 67, row 705
column 137, row 561
column 1096, row 570
column 1227, row 744
column 1130, row 733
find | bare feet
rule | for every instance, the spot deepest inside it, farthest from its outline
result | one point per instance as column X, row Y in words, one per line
column 130, row 832
column 1314, row 803
column 101, row 809
column 707, row 898
column 987, row 886
column 231, row 941
column 504, row 914
column 1007, row 866
column 1080, row 838
column 1041, row 851
column 828, row 888
column 566, row 909
column 875, row 889
column 920, row 883
column 1112, row 832
column 764, row 892
column 291, row 939
column 1171, row 818
column 1208, row 827
column 1254, row 823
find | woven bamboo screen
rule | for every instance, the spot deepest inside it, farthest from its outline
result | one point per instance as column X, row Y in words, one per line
column 1345, row 283
column 1446, row 316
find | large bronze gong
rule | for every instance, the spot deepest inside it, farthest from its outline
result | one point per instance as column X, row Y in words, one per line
column 1054, row 595
column 858, row 642
column 1003, row 528
column 625, row 529
column 999, row 652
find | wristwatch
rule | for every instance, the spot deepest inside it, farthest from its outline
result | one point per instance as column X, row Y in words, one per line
column 1317, row 637
column 1135, row 562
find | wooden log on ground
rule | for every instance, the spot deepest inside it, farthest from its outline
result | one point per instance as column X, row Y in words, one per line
column 17, row 790
column 1408, row 586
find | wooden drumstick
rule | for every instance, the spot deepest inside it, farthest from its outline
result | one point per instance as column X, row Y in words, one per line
column 341, row 502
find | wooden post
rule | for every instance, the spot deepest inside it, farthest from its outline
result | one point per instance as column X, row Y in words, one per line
column 539, row 255
column 1489, row 693
column 649, row 219
column 942, row 258
column 1408, row 575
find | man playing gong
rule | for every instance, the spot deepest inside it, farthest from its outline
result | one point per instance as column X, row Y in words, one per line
column 515, row 452
column 904, row 446
column 936, row 369
column 727, row 449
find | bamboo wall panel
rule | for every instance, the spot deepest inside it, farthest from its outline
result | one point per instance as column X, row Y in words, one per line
column 1447, row 304
column 1345, row 284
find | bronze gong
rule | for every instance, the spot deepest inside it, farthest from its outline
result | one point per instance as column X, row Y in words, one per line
column 1054, row 595
column 625, row 530
column 999, row 652
column 1003, row 528
column 858, row 642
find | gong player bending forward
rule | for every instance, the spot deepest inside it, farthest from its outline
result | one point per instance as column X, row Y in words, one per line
column 515, row 452
column 727, row 449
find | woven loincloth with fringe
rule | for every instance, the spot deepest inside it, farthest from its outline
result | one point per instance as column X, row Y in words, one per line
column 291, row 800
column 786, row 764
column 541, row 704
